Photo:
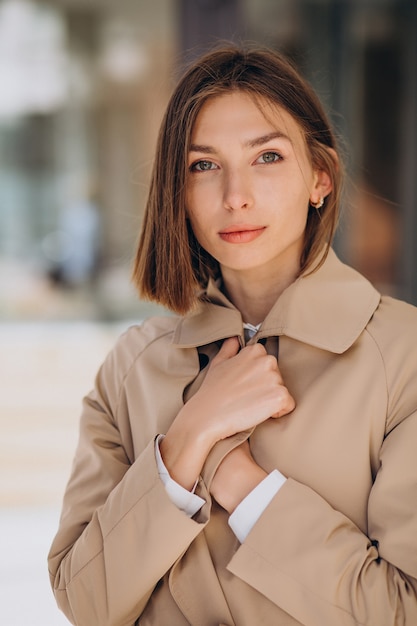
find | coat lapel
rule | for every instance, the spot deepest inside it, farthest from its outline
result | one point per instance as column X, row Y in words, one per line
column 327, row 309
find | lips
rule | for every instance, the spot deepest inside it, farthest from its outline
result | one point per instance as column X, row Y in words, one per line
column 241, row 233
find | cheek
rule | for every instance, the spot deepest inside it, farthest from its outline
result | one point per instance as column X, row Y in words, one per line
column 196, row 226
column 299, row 194
column 199, row 209
column 192, row 201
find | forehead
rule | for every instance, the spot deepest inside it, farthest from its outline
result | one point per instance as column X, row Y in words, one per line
column 240, row 110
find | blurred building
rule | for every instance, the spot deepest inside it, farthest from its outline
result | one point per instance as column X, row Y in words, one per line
column 83, row 84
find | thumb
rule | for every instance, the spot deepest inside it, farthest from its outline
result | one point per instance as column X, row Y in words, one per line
column 230, row 347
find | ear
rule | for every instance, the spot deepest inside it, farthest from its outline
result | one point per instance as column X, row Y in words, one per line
column 322, row 183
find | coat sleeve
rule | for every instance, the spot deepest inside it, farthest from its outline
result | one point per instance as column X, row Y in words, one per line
column 317, row 565
column 119, row 532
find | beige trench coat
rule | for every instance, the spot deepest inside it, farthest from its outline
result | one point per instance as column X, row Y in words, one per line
column 337, row 546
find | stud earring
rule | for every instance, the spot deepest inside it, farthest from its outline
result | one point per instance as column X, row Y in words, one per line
column 319, row 204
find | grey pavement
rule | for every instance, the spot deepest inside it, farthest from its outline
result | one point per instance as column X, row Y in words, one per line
column 45, row 369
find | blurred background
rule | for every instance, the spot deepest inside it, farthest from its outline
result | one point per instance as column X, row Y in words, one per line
column 83, row 85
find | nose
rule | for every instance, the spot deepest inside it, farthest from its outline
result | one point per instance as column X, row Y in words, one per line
column 237, row 190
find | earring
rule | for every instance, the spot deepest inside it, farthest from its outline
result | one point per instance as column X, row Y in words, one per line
column 319, row 204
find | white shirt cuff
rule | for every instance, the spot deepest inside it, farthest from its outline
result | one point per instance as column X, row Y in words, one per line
column 185, row 500
column 247, row 513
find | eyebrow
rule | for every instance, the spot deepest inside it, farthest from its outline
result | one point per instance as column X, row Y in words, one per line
column 251, row 143
column 259, row 141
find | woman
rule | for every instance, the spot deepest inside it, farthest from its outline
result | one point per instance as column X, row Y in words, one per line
column 252, row 460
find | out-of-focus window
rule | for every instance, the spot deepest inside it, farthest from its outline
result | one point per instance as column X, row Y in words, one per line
column 82, row 91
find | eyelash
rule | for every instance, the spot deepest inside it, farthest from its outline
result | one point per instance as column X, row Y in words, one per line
column 270, row 152
column 196, row 166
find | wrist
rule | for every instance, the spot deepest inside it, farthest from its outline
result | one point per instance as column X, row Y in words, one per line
column 239, row 485
column 183, row 453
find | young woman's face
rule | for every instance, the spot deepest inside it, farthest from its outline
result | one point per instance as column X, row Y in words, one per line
column 248, row 185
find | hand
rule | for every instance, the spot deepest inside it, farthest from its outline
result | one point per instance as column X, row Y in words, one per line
column 237, row 475
column 241, row 390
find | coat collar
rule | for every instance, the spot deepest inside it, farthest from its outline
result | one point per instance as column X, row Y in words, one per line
column 327, row 309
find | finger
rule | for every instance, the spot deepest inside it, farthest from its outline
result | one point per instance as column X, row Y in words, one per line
column 229, row 349
column 287, row 406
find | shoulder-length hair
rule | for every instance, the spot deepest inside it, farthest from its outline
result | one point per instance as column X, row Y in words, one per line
column 170, row 266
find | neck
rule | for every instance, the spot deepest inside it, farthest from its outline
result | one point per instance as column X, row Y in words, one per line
column 255, row 292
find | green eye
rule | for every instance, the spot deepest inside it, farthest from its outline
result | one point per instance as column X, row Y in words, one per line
column 270, row 157
column 203, row 166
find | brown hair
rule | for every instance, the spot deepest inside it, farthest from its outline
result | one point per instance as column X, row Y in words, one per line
column 170, row 267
